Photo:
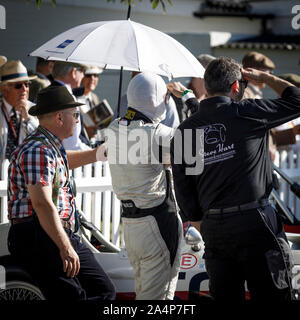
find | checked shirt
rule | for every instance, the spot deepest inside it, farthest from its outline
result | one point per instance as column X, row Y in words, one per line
column 34, row 162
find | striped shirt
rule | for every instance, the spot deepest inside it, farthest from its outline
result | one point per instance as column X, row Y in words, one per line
column 37, row 162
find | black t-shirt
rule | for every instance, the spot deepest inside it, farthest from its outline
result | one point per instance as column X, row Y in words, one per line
column 237, row 166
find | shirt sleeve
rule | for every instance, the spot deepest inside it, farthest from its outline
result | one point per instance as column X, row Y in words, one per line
column 185, row 185
column 272, row 112
column 38, row 166
column 162, row 138
column 192, row 103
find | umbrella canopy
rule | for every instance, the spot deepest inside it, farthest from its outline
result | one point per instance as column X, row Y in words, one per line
column 122, row 44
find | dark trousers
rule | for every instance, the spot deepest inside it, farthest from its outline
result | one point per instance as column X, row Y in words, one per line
column 245, row 247
column 32, row 249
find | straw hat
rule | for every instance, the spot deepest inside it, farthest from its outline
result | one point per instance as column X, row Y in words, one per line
column 2, row 60
column 14, row 71
column 93, row 70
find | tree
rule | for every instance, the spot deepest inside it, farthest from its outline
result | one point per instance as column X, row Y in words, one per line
column 155, row 3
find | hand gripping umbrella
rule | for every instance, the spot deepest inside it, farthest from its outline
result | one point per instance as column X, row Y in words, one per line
column 122, row 45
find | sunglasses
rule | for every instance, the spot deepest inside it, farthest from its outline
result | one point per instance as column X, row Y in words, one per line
column 20, row 85
column 245, row 82
column 74, row 114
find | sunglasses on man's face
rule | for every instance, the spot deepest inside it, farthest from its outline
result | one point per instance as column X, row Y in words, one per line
column 245, row 82
column 19, row 85
column 76, row 115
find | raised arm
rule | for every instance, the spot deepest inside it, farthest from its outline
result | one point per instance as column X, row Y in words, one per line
column 275, row 83
column 80, row 158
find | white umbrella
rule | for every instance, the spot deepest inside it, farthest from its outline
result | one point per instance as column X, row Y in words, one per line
column 122, row 44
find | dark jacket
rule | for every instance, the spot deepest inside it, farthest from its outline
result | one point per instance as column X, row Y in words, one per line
column 237, row 165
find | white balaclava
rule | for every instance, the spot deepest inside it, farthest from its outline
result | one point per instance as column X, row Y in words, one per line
column 146, row 93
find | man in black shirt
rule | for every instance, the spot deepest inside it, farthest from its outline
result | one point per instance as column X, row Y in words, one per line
column 244, row 240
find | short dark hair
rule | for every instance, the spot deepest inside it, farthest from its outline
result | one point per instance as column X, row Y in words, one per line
column 41, row 61
column 220, row 74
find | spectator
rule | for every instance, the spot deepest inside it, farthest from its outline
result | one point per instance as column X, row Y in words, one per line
column 90, row 83
column 41, row 206
column 15, row 121
column 258, row 61
column 152, row 229
column 227, row 187
column 43, row 79
column 261, row 62
column 86, row 94
column 197, row 84
column 70, row 75
column 289, row 133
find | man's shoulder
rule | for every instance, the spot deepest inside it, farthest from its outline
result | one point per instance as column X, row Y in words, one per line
column 95, row 98
column 35, row 144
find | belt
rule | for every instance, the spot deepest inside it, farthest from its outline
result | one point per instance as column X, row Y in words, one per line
column 242, row 207
column 22, row 220
column 65, row 224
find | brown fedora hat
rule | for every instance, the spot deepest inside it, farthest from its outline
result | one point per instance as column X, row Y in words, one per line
column 53, row 99
column 14, row 71
column 257, row 60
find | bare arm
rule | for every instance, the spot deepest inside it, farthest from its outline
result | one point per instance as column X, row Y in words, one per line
column 176, row 88
column 80, row 158
column 275, row 83
column 41, row 198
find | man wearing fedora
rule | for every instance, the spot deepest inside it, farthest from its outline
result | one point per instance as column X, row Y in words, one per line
column 15, row 121
column 41, row 205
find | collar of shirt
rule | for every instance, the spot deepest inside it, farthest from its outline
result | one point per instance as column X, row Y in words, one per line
column 56, row 140
column 9, row 107
column 66, row 85
column 255, row 90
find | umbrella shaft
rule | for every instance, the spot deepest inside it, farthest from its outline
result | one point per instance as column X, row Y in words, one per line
column 120, row 92
column 128, row 11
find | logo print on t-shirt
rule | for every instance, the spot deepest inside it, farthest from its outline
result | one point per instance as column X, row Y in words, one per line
column 215, row 148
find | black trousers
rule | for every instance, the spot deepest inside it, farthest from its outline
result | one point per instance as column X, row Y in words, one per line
column 247, row 246
column 32, row 249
